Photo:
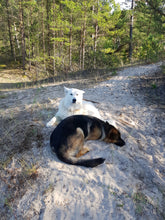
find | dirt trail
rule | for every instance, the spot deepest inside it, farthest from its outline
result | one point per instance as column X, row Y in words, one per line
column 131, row 182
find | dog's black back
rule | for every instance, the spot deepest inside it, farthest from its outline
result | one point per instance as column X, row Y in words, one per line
column 67, row 128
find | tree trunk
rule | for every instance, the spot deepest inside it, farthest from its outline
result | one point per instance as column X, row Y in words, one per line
column 29, row 42
column 96, row 35
column 80, row 53
column 22, row 34
column 70, row 46
column 83, row 41
column 9, row 29
column 43, row 35
column 61, row 34
column 54, row 43
column 48, row 26
column 16, row 38
column 95, row 44
column 131, row 32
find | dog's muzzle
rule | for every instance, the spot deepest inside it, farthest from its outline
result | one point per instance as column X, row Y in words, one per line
column 73, row 100
column 120, row 142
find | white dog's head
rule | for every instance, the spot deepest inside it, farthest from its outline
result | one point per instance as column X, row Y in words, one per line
column 73, row 97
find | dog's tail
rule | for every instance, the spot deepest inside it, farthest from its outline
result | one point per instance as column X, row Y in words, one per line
column 86, row 163
column 90, row 162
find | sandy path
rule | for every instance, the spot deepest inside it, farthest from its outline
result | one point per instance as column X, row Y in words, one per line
column 131, row 182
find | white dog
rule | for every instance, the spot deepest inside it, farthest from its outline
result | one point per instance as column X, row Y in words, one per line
column 73, row 104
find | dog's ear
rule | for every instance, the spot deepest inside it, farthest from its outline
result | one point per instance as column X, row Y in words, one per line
column 66, row 90
column 107, row 125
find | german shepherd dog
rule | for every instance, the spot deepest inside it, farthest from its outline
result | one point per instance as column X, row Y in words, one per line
column 67, row 139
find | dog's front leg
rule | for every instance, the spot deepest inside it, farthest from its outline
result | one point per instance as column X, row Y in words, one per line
column 51, row 122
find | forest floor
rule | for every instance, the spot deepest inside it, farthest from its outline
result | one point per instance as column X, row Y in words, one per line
column 34, row 184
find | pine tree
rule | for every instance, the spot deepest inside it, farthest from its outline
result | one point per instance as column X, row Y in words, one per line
column 68, row 35
column 150, row 30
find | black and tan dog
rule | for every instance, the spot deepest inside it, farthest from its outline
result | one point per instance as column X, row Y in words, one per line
column 68, row 138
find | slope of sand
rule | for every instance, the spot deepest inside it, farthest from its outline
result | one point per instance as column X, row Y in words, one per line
column 131, row 182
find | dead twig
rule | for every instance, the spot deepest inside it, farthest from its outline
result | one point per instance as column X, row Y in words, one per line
column 91, row 101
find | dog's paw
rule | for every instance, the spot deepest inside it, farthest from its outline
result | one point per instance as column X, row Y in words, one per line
column 48, row 125
column 51, row 122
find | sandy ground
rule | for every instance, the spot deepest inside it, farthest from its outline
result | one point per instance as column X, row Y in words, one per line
column 131, row 182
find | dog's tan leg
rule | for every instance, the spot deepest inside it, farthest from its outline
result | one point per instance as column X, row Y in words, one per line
column 83, row 151
column 76, row 143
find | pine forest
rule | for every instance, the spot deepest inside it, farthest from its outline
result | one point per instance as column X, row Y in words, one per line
column 62, row 36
